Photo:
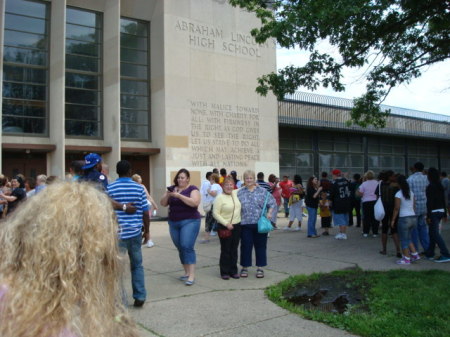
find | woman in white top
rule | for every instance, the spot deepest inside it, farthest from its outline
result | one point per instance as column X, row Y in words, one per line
column 407, row 220
column 213, row 192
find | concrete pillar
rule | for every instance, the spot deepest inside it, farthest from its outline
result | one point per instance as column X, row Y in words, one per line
column 2, row 29
column 57, row 77
column 111, row 83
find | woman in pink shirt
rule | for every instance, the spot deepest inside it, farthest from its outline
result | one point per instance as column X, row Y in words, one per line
column 367, row 191
column 274, row 183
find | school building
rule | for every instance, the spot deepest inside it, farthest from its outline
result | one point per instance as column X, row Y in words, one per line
column 171, row 84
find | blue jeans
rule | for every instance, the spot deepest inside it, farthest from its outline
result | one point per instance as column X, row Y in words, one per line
column 286, row 206
column 251, row 238
column 133, row 247
column 435, row 236
column 312, row 218
column 184, row 234
column 405, row 226
column 421, row 233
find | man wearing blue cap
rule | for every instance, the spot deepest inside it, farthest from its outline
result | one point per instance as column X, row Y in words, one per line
column 92, row 170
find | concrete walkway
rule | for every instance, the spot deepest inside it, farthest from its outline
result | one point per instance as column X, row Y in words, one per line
column 214, row 307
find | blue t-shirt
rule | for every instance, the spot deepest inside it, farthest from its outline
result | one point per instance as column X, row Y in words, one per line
column 125, row 190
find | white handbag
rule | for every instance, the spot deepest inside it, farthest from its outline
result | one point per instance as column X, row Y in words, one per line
column 379, row 208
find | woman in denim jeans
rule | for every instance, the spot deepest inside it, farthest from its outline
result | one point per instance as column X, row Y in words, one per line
column 407, row 221
column 436, row 211
column 184, row 220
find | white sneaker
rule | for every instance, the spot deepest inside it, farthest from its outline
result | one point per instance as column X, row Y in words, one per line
column 338, row 236
column 344, row 236
column 150, row 244
column 213, row 233
column 365, row 235
column 297, row 229
column 287, row 228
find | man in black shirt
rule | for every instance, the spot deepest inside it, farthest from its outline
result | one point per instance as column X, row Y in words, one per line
column 341, row 203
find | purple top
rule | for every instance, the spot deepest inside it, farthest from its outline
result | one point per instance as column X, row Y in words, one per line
column 178, row 210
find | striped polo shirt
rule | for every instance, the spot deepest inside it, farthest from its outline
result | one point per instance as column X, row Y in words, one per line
column 125, row 190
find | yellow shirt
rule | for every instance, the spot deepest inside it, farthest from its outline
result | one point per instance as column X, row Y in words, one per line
column 224, row 208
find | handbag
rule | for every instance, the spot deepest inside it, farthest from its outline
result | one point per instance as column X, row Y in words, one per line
column 379, row 208
column 224, row 232
column 264, row 224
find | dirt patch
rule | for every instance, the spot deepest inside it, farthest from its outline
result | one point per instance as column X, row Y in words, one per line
column 331, row 293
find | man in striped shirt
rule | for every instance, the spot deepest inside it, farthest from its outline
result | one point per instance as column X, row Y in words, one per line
column 124, row 190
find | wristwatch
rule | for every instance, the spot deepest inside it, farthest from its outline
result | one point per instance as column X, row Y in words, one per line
column 124, row 207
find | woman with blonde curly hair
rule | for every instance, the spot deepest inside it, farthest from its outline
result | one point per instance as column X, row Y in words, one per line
column 60, row 267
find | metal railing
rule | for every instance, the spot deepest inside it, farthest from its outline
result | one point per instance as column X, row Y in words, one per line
column 320, row 111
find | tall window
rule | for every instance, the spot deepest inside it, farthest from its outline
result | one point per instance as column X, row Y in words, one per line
column 134, row 80
column 83, row 73
column 25, row 67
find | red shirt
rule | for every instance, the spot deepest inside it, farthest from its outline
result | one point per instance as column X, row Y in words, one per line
column 285, row 188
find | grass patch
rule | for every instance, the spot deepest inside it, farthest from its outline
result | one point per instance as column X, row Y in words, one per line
column 396, row 302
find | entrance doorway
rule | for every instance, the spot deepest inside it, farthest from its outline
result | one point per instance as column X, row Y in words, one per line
column 29, row 164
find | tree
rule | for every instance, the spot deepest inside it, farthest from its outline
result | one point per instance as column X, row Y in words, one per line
column 396, row 40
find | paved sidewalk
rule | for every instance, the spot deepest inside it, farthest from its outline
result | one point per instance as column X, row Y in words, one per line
column 214, row 307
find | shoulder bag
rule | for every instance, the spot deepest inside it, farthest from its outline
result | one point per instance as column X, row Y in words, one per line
column 379, row 208
column 264, row 224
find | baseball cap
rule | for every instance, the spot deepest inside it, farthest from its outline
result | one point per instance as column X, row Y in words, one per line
column 336, row 172
column 233, row 173
column 90, row 160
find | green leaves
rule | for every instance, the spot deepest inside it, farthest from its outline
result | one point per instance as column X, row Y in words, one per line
column 393, row 39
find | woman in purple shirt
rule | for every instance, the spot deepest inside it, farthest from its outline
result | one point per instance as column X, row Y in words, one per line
column 184, row 220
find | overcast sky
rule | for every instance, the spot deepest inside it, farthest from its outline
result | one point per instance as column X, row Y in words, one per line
column 430, row 92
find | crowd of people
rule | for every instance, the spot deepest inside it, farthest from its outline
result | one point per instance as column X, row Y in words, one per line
column 78, row 277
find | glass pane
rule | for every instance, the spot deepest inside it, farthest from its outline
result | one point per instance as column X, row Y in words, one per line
column 304, row 160
column 81, row 81
column 18, row 22
column 340, row 160
column 134, row 116
column 22, row 74
column 325, row 161
column 81, row 33
column 135, row 42
column 82, row 48
column 286, row 143
column 133, row 56
column 133, row 87
column 16, row 90
column 83, row 63
column 133, row 27
column 23, row 108
column 341, row 147
column 82, row 112
column 134, row 102
column 323, row 145
column 77, row 128
column 24, row 125
column 356, row 161
column 385, row 149
column 26, row 56
column 134, row 131
column 355, row 147
column 19, row 39
column 287, row 159
column 82, row 96
column 373, row 162
column 132, row 70
column 80, row 17
column 29, row 8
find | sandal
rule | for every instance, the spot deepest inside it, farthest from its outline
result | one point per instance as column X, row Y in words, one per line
column 244, row 272
column 259, row 273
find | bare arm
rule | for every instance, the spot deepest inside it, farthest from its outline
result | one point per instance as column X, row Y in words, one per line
column 396, row 211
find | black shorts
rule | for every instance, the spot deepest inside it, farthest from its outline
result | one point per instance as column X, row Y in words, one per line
column 326, row 222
